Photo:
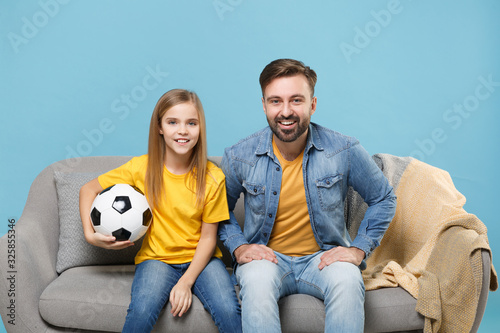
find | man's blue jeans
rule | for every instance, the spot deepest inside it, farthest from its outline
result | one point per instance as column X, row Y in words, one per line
column 154, row 280
column 263, row 283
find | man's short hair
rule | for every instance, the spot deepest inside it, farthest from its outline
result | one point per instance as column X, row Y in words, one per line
column 284, row 68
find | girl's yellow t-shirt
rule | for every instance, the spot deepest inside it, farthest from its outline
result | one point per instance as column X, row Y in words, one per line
column 175, row 230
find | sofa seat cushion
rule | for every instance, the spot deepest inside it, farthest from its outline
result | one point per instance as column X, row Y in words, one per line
column 386, row 310
column 391, row 310
column 97, row 298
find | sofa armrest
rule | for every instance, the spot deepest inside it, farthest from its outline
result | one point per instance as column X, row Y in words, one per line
column 36, row 236
column 483, row 296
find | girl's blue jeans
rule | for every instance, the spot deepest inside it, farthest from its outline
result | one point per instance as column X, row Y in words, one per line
column 154, row 280
column 263, row 283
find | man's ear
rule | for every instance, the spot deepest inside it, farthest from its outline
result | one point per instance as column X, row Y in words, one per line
column 314, row 102
column 263, row 104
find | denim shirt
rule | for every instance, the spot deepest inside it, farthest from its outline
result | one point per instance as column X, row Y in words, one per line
column 332, row 162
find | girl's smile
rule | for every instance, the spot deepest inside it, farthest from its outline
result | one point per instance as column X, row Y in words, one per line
column 180, row 128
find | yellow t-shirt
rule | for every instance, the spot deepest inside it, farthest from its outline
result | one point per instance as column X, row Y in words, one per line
column 292, row 233
column 176, row 227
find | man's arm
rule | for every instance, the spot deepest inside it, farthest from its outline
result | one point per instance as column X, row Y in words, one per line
column 368, row 180
column 230, row 232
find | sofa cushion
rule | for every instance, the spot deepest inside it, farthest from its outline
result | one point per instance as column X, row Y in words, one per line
column 386, row 310
column 97, row 298
column 391, row 310
column 73, row 248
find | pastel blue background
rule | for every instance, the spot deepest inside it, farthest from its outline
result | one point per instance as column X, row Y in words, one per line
column 390, row 80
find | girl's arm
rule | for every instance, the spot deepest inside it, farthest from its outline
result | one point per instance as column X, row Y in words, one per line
column 88, row 192
column 181, row 295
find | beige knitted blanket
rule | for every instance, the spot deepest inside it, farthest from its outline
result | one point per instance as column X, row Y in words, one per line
column 431, row 249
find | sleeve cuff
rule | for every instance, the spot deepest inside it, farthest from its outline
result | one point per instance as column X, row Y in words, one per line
column 365, row 244
column 233, row 242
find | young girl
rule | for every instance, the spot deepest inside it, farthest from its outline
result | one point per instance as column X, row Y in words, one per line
column 187, row 195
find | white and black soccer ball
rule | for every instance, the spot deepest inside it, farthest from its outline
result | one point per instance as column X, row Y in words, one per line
column 122, row 211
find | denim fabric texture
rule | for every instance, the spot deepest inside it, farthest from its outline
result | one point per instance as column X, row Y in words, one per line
column 153, row 281
column 332, row 162
column 339, row 285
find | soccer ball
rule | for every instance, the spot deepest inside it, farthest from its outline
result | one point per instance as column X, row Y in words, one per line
column 122, row 211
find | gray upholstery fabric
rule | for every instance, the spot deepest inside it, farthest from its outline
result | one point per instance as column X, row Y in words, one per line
column 394, row 303
column 95, row 298
column 74, row 250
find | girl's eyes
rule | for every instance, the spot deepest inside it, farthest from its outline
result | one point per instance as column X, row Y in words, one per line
column 173, row 122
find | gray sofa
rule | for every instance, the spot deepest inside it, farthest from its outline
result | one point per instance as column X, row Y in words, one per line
column 60, row 282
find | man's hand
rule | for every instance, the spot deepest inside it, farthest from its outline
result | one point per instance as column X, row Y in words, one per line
column 248, row 252
column 345, row 254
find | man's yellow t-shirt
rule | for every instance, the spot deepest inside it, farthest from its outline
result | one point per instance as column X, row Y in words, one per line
column 176, row 227
column 292, row 233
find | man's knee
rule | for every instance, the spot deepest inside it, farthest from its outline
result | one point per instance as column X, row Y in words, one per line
column 345, row 278
column 258, row 276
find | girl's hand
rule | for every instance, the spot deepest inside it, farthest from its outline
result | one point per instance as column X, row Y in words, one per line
column 88, row 192
column 181, row 298
column 107, row 242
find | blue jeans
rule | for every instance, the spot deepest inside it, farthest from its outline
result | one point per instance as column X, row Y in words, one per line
column 263, row 283
column 154, row 280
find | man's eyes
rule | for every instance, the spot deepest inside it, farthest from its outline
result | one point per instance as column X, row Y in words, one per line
column 294, row 101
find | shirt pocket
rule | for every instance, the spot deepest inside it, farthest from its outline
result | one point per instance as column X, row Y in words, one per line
column 255, row 197
column 330, row 192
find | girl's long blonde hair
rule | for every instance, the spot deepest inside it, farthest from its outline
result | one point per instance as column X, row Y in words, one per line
column 156, row 148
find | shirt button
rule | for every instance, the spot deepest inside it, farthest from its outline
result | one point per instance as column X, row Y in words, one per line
column 255, row 190
column 275, row 192
column 265, row 234
column 270, row 215
column 277, row 169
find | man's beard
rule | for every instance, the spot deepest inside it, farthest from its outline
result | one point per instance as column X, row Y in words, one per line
column 288, row 135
